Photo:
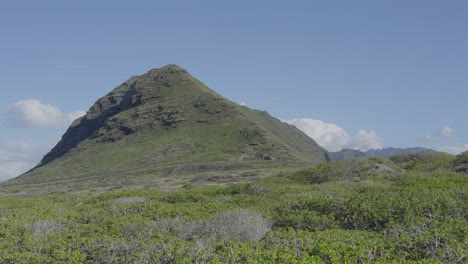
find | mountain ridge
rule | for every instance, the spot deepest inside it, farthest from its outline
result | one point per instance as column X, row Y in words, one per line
column 348, row 154
column 165, row 122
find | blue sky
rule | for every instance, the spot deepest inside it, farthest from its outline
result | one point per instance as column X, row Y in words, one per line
column 355, row 74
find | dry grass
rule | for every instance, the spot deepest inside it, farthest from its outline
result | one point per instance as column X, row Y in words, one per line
column 45, row 227
column 237, row 225
column 130, row 200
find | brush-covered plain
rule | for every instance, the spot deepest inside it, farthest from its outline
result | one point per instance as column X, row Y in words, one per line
column 408, row 208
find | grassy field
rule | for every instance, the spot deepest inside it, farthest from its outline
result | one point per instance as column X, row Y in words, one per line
column 409, row 208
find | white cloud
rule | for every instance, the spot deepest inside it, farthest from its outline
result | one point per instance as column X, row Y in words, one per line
column 243, row 104
column 365, row 140
column 428, row 137
column 334, row 138
column 446, row 132
column 455, row 149
column 17, row 157
column 443, row 132
column 327, row 135
column 33, row 113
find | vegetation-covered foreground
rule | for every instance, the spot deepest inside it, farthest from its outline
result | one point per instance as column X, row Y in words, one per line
column 409, row 208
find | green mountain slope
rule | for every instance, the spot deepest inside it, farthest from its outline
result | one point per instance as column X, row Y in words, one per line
column 166, row 123
column 388, row 152
column 350, row 154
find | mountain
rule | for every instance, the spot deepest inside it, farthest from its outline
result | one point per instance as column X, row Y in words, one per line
column 165, row 125
column 387, row 152
column 349, row 154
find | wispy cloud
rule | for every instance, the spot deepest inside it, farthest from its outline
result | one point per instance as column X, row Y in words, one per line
column 444, row 132
column 334, row 138
column 428, row 137
column 457, row 149
column 366, row 140
column 17, row 157
column 33, row 113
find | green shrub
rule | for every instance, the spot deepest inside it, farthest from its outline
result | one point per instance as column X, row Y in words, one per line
column 421, row 161
column 362, row 212
column 460, row 164
column 354, row 170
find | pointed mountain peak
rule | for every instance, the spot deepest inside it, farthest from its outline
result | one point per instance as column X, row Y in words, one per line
column 168, row 69
column 140, row 102
column 174, row 68
column 167, row 122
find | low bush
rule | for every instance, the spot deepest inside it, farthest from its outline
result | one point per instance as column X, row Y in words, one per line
column 130, row 200
column 237, row 225
column 346, row 170
column 45, row 227
column 361, row 212
column 421, row 161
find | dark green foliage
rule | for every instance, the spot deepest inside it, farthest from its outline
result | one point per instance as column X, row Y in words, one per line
column 353, row 170
column 460, row 164
column 422, row 161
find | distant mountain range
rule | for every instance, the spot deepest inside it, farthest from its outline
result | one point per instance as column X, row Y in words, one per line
column 348, row 154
